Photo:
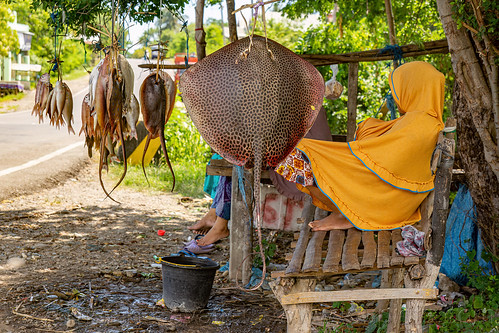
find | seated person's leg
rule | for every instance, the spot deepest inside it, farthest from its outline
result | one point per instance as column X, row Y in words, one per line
column 208, row 221
column 220, row 229
column 335, row 220
column 205, row 223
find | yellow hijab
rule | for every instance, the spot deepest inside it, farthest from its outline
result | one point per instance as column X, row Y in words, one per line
column 379, row 180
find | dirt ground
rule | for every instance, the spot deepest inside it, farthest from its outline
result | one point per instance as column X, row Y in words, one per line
column 66, row 252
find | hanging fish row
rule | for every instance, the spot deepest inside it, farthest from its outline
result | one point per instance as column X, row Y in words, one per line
column 110, row 111
column 56, row 104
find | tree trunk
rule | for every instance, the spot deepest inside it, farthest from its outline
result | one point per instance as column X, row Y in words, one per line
column 231, row 19
column 475, row 108
column 200, row 34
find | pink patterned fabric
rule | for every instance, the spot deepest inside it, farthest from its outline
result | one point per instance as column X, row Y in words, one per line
column 412, row 243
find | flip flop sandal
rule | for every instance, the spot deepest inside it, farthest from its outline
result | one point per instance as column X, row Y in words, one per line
column 198, row 237
column 199, row 249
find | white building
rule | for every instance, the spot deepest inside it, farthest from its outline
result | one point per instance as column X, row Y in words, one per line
column 16, row 69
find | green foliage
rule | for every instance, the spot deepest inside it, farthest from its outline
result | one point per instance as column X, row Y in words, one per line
column 377, row 324
column 483, row 20
column 184, row 141
column 286, row 33
column 269, row 249
column 341, row 328
column 42, row 44
column 373, row 85
column 214, row 37
column 80, row 13
column 8, row 38
column 478, row 313
column 361, row 27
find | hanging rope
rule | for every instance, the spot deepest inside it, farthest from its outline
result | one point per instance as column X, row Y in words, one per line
column 396, row 51
column 389, row 103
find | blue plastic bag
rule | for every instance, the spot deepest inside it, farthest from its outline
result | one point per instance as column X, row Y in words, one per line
column 462, row 235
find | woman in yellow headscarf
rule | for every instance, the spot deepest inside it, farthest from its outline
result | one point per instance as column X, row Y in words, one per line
column 379, row 180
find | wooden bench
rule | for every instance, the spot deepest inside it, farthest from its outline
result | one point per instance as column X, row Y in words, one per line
column 325, row 253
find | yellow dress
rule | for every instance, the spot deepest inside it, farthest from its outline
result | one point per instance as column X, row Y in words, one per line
column 379, row 180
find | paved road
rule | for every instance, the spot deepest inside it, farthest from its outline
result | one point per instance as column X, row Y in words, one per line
column 34, row 156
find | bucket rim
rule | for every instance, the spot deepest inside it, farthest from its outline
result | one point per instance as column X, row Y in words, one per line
column 211, row 264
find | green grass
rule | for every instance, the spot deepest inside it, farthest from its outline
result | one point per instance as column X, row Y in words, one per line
column 13, row 97
column 75, row 74
column 189, row 178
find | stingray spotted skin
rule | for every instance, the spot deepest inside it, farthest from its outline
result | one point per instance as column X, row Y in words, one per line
column 255, row 105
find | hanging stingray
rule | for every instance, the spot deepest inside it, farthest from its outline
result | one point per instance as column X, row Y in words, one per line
column 252, row 101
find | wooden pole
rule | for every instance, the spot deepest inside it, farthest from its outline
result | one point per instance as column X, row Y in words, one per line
column 231, row 18
column 199, row 34
column 241, row 243
column 391, row 27
column 353, row 78
column 443, row 176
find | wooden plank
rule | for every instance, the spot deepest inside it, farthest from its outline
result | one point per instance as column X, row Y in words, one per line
column 308, row 213
column 409, row 261
column 289, row 255
column 313, row 255
column 384, row 248
column 386, row 282
column 350, row 257
column 321, row 274
column 241, row 231
column 153, row 66
column 369, row 249
column 411, row 50
column 415, row 308
column 334, row 249
column 213, row 170
column 395, row 312
column 358, row 295
column 396, row 259
column 299, row 316
column 353, row 78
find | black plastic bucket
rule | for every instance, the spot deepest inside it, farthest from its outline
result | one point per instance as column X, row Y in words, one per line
column 187, row 282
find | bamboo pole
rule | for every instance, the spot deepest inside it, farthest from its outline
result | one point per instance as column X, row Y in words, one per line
column 353, row 78
column 412, row 50
column 231, row 18
column 391, row 27
column 199, row 34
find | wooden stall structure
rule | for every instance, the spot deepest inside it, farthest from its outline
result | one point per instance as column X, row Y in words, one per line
column 314, row 258
column 317, row 256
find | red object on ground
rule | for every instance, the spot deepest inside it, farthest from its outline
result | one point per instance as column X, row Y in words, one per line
column 161, row 232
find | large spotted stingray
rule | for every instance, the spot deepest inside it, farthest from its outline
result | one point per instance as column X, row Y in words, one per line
column 252, row 101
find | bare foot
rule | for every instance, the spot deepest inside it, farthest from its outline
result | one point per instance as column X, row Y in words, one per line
column 331, row 222
column 205, row 224
column 217, row 232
